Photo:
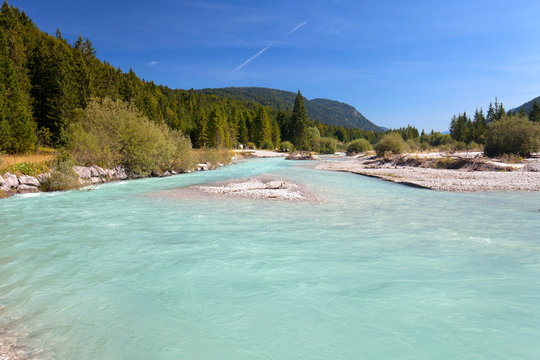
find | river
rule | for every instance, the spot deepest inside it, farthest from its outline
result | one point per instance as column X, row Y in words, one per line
column 373, row 270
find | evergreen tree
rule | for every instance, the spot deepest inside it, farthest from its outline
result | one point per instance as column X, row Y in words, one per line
column 299, row 122
column 263, row 132
column 216, row 132
column 202, row 131
column 534, row 114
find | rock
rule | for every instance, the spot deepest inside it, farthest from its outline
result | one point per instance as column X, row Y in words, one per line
column 42, row 178
column 11, row 180
column 83, row 172
column 100, row 171
column 95, row 180
column 202, row 167
column 2, row 181
column 155, row 174
column 301, row 155
column 120, row 173
column 28, row 180
column 27, row 189
column 533, row 167
column 276, row 184
column 173, row 172
column 110, row 173
column 166, row 174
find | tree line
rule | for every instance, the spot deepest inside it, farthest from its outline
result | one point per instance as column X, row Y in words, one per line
column 45, row 81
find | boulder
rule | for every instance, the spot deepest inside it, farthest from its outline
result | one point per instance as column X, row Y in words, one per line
column 42, row 178
column 28, row 180
column 100, row 171
column 120, row 173
column 27, row 189
column 202, row 167
column 166, row 174
column 11, row 180
column 83, row 172
column 95, row 180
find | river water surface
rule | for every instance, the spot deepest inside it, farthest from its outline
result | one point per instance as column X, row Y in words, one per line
column 374, row 270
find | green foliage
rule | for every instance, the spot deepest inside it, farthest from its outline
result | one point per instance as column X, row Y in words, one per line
column 358, row 146
column 534, row 114
column 327, row 145
column 111, row 133
column 263, row 131
column 391, row 142
column 27, row 168
column 299, row 121
column 286, row 146
column 328, row 112
column 62, row 177
column 512, row 135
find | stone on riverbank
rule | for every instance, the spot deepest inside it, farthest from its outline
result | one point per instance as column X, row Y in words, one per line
column 28, row 180
column 27, row 189
column 11, row 180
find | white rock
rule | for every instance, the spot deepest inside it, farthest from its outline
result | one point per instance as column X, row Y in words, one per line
column 83, row 172
column 120, row 173
column 11, row 180
column 42, row 178
column 27, row 189
column 28, row 180
column 166, row 174
column 100, row 171
column 95, row 180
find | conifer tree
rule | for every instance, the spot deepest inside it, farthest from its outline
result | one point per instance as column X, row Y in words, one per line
column 299, row 122
column 534, row 114
column 263, row 132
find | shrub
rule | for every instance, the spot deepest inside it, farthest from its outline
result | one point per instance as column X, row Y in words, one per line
column 214, row 156
column 512, row 135
column 267, row 145
column 286, row 146
column 413, row 146
column 327, row 145
column 391, row 142
column 62, row 176
column 110, row 133
column 27, row 168
column 358, row 146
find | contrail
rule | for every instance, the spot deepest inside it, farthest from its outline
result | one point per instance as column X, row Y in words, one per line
column 269, row 45
column 296, row 28
column 252, row 58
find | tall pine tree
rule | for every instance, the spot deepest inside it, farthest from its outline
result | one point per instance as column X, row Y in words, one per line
column 299, row 123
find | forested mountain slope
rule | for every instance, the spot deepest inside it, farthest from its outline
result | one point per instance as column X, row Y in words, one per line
column 326, row 111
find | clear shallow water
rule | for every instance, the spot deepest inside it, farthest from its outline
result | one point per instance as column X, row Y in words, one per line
column 376, row 271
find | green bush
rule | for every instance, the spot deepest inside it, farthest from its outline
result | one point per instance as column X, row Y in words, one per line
column 110, row 133
column 391, row 142
column 327, row 145
column 62, row 176
column 358, row 146
column 512, row 135
column 27, row 168
column 286, row 146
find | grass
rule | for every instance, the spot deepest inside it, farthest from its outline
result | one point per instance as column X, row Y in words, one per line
column 28, row 164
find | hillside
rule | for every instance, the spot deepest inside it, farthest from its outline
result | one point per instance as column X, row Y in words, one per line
column 527, row 106
column 326, row 111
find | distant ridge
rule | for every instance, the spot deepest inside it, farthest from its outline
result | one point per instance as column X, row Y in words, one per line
column 527, row 106
column 326, row 111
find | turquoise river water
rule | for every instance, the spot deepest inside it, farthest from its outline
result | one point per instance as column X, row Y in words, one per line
column 373, row 271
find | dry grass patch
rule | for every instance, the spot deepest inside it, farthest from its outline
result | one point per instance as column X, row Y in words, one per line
column 38, row 160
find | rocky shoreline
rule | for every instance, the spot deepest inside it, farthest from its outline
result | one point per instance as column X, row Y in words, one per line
column 11, row 184
column 471, row 174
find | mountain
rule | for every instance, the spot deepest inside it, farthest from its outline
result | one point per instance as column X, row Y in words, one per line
column 326, row 111
column 527, row 106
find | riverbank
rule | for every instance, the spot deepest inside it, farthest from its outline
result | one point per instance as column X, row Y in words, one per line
column 11, row 184
column 473, row 173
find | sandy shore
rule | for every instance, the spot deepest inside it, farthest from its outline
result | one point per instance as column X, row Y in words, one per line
column 260, row 187
column 260, row 154
column 441, row 179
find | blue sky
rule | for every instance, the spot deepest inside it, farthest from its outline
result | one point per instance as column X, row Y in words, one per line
column 398, row 62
